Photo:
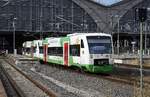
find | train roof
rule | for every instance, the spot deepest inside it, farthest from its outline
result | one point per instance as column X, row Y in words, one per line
column 27, row 44
column 78, row 34
column 89, row 34
column 38, row 40
column 48, row 38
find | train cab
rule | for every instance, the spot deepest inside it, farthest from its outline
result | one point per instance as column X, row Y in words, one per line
column 92, row 51
column 37, row 47
column 27, row 48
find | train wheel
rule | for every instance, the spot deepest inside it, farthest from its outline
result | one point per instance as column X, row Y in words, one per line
column 41, row 61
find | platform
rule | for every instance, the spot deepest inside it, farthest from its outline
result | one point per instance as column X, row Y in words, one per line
column 131, row 60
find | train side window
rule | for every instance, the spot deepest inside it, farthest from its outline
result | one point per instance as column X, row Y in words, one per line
column 41, row 50
column 55, row 51
column 75, row 50
column 28, row 50
column 34, row 49
column 82, row 44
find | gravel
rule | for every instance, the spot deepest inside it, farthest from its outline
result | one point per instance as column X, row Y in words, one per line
column 27, row 87
column 8, row 88
column 79, row 84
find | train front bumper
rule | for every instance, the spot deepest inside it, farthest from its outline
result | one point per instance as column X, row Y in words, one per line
column 100, row 69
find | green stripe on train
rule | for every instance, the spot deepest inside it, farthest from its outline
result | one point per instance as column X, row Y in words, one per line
column 87, row 67
column 60, row 62
column 95, row 69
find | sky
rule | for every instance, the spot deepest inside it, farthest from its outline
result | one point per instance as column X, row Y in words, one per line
column 107, row 2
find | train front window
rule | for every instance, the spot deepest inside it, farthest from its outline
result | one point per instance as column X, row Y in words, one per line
column 99, row 44
column 28, row 50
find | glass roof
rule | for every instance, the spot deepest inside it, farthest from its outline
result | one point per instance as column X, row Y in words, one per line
column 107, row 2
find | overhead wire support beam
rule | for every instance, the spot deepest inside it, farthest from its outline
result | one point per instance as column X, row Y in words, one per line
column 7, row 3
column 67, row 21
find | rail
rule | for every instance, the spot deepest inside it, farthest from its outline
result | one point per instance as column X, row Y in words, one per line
column 19, row 92
column 43, row 88
column 2, row 90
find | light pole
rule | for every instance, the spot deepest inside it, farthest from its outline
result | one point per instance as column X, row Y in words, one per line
column 142, row 14
column 3, row 43
column 118, row 45
column 141, row 60
column 118, row 31
column 145, row 33
column 14, row 49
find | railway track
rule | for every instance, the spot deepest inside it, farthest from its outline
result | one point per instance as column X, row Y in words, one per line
column 10, row 84
column 114, row 78
column 2, row 90
column 111, row 77
column 117, row 79
column 15, row 86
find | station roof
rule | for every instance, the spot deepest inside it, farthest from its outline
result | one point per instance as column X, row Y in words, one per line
column 107, row 2
column 101, row 12
column 106, row 17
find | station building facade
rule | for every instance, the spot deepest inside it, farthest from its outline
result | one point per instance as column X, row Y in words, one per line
column 35, row 19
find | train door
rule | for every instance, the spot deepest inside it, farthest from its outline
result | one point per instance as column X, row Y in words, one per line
column 66, row 53
column 83, row 55
column 45, row 53
column 32, row 51
column 37, row 50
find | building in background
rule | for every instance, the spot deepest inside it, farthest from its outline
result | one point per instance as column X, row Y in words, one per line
column 41, row 18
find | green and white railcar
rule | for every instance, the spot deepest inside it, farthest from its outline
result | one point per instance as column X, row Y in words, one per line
column 89, row 51
column 23, row 49
column 27, row 48
column 37, row 46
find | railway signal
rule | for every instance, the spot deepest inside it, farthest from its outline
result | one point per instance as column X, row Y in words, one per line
column 141, row 14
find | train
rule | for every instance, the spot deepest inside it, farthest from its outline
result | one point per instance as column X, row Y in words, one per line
column 27, row 48
column 90, row 52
